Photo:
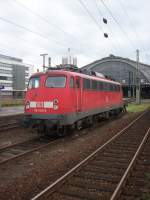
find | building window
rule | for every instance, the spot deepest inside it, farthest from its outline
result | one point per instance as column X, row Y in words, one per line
column 4, row 71
column 3, row 78
column 7, row 84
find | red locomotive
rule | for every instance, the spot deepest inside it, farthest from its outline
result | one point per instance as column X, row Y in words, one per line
column 61, row 98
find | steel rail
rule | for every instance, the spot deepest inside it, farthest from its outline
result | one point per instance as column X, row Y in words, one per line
column 117, row 191
column 52, row 187
column 28, row 151
column 15, row 144
column 9, row 126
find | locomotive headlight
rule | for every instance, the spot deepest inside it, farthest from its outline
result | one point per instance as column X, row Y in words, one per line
column 55, row 101
column 55, row 104
column 55, row 107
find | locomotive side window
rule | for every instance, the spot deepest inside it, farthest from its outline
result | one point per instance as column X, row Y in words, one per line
column 55, row 82
column 116, row 88
column 110, row 87
column 78, row 82
column 34, row 82
column 71, row 82
column 86, row 84
column 106, row 86
column 99, row 85
column 113, row 87
column 94, row 85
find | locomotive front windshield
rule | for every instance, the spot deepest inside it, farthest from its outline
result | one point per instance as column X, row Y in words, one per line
column 34, row 82
column 55, row 82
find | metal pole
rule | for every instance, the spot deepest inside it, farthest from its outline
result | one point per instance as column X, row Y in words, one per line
column 137, row 78
column 44, row 55
column 49, row 61
column 0, row 100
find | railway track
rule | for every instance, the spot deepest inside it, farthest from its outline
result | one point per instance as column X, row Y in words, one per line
column 138, row 183
column 10, row 122
column 8, row 126
column 103, row 174
column 21, row 149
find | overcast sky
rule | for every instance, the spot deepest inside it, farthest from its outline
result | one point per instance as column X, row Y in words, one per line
column 31, row 27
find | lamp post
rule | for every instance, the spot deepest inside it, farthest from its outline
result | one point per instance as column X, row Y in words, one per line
column 44, row 55
column 138, row 99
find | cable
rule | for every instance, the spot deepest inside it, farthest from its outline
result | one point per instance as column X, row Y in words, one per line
column 46, row 21
column 101, row 15
column 123, row 31
column 125, row 12
column 91, row 16
column 130, row 21
column 29, row 30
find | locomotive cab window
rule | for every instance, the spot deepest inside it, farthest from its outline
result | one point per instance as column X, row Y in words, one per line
column 34, row 82
column 55, row 82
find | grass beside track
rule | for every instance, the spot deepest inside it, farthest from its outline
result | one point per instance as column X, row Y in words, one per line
column 12, row 102
column 133, row 107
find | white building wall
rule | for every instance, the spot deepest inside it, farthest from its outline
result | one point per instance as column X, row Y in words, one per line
column 6, row 72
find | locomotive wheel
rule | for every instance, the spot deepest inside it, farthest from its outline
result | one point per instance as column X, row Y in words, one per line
column 107, row 115
column 61, row 131
column 79, row 125
column 89, row 121
column 41, row 130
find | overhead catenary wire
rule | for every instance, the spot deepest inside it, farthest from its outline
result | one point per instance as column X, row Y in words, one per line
column 33, row 32
column 44, row 19
column 120, row 27
column 93, row 18
column 51, row 24
column 26, row 29
column 107, row 22
column 129, row 19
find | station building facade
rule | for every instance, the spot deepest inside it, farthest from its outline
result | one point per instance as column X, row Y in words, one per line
column 14, row 76
column 123, row 70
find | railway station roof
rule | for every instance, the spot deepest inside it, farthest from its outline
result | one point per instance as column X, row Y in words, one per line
column 99, row 64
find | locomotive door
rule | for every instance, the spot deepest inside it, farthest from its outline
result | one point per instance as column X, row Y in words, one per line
column 78, row 94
